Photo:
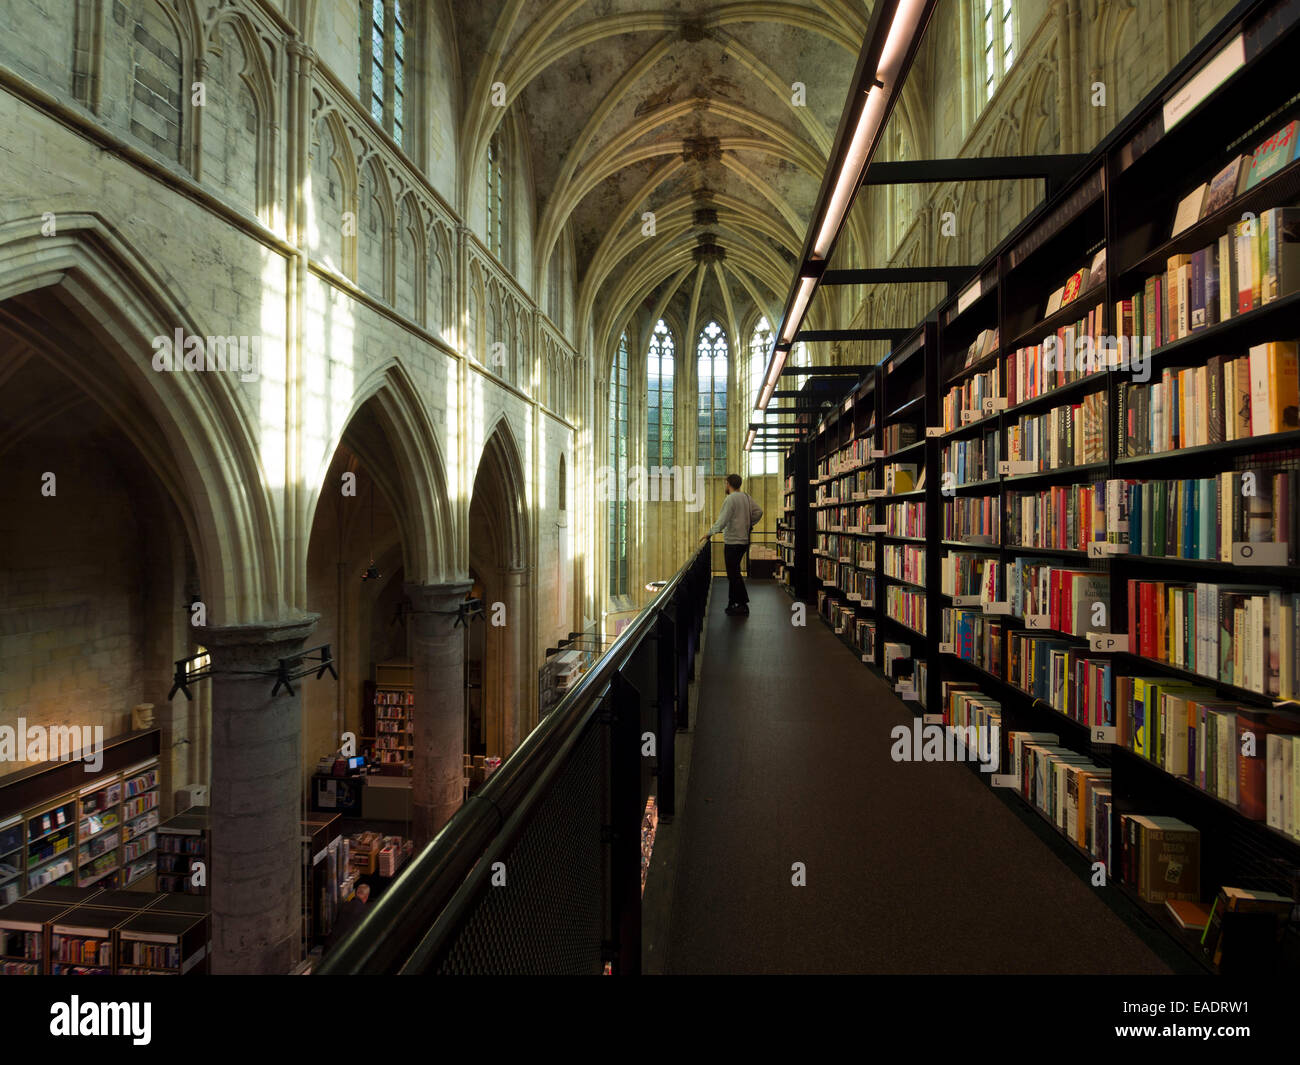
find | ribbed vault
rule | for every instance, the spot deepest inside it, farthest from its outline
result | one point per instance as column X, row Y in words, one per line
column 714, row 118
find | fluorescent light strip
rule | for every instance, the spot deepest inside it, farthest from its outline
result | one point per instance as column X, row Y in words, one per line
column 801, row 299
column 906, row 19
column 749, row 440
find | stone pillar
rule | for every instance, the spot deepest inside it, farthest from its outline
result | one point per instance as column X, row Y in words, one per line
column 255, row 871
column 514, row 683
column 437, row 647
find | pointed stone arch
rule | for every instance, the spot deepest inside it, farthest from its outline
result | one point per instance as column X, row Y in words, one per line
column 193, row 429
column 412, row 473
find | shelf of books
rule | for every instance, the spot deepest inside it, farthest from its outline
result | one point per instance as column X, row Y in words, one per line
column 1107, row 567
column 162, row 944
column 391, row 717
column 182, row 842
column 844, row 549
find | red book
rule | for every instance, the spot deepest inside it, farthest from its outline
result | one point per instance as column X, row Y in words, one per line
column 1148, row 616
column 1133, row 593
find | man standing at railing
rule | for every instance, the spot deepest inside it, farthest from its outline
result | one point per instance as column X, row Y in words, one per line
column 739, row 514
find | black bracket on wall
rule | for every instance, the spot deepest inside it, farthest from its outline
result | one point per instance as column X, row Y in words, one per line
column 290, row 669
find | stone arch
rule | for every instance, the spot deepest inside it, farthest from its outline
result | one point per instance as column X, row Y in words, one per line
column 410, row 293
column 193, row 429
column 376, row 219
column 499, row 554
column 333, row 170
column 255, row 78
column 417, row 487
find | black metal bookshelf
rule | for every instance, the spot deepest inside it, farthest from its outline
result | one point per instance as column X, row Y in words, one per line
column 1122, row 200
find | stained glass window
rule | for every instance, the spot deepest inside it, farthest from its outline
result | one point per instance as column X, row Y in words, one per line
column 659, row 397
column 711, row 413
column 617, row 479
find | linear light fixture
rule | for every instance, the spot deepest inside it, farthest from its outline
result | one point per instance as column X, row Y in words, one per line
column 890, row 46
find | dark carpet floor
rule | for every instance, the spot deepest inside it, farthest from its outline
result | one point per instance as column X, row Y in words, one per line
column 911, row 867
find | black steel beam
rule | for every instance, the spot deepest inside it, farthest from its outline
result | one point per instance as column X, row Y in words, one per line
column 899, row 275
column 808, row 335
column 1053, row 169
column 825, row 371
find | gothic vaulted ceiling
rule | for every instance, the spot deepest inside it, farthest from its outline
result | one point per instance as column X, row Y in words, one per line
column 688, row 110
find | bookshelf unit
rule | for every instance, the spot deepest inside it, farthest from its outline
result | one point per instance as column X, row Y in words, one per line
column 63, row 826
column 843, row 546
column 11, row 858
column 152, row 943
column 390, row 705
column 1059, row 557
column 182, row 840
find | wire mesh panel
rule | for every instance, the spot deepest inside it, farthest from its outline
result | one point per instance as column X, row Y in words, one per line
column 547, row 917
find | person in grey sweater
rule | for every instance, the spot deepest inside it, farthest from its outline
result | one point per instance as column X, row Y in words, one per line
column 739, row 514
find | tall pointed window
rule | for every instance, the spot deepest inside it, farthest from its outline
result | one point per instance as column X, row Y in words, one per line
column 760, row 349
column 659, row 397
column 496, row 197
column 998, row 36
column 711, row 364
column 382, row 74
column 617, row 479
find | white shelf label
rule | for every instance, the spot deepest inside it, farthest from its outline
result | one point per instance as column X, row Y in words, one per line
column 994, row 403
column 1102, row 733
column 1038, row 621
column 969, row 296
column 997, row 608
column 965, row 600
column 1108, row 641
column 979, row 539
column 946, row 649
column 1096, row 549
column 877, row 528
column 932, row 431
column 1012, row 467
column 906, row 692
column 876, row 452
column 1005, row 780
column 1270, row 554
column 866, row 659
column 932, row 719
column 876, row 493
column 1205, row 81
column 968, row 416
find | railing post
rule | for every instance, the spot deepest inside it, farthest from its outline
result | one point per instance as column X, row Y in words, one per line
column 666, row 669
column 624, row 830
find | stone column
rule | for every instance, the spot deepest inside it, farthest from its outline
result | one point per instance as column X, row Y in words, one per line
column 514, row 682
column 437, row 648
column 255, row 871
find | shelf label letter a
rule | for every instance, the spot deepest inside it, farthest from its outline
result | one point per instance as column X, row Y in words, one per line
column 799, row 614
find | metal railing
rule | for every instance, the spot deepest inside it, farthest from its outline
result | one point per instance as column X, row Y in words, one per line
column 540, row 871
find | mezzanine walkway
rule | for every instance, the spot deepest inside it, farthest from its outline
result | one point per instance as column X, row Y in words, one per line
column 911, row 867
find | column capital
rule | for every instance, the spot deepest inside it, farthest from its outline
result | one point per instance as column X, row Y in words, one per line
column 260, row 640
column 436, row 598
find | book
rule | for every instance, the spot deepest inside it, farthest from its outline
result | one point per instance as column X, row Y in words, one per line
column 1190, row 208
column 1097, row 271
column 1223, row 187
column 1272, row 155
column 1188, row 914
column 1075, row 286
